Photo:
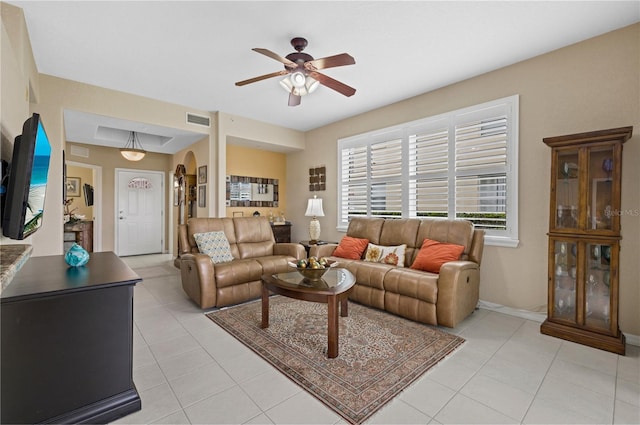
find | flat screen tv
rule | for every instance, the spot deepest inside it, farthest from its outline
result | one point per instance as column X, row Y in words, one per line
column 26, row 185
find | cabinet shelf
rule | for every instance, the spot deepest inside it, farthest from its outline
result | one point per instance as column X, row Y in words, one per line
column 584, row 238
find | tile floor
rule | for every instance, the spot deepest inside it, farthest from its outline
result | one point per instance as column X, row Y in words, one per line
column 188, row 370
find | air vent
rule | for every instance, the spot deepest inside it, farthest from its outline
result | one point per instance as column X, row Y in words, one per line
column 198, row 120
column 79, row 151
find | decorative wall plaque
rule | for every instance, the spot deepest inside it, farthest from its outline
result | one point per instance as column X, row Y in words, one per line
column 317, row 178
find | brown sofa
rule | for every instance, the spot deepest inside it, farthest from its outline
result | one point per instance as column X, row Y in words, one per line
column 254, row 251
column 444, row 298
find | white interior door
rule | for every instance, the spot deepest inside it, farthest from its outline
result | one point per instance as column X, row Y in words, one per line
column 139, row 212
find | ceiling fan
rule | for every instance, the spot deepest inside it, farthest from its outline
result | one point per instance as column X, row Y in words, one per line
column 303, row 72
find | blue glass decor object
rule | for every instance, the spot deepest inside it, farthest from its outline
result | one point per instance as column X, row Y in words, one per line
column 76, row 256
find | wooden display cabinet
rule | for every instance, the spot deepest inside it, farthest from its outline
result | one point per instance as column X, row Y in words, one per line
column 584, row 238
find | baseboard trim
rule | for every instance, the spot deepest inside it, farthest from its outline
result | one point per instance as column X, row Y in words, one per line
column 538, row 317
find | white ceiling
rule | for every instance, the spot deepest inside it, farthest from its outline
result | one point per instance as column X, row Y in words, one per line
column 192, row 53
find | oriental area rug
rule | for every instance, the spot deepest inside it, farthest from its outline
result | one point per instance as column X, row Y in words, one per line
column 379, row 354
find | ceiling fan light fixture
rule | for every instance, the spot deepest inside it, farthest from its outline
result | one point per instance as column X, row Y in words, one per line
column 133, row 150
column 311, row 84
column 286, row 84
column 298, row 79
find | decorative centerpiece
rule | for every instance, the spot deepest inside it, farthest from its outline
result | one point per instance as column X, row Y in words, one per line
column 313, row 268
column 76, row 256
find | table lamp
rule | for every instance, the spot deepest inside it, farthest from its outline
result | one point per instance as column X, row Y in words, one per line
column 314, row 209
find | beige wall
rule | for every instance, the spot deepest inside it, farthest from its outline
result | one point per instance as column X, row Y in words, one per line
column 58, row 94
column 79, row 204
column 110, row 159
column 259, row 133
column 242, row 161
column 588, row 86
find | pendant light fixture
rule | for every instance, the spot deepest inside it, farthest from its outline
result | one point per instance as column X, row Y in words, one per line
column 133, row 150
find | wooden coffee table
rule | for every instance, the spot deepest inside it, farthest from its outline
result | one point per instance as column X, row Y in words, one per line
column 333, row 290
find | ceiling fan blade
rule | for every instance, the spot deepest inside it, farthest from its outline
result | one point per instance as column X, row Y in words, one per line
column 330, row 62
column 262, row 77
column 269, row 53
column 294, row 100
column 333, row 84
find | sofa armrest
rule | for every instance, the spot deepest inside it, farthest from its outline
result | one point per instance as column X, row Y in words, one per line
column 198, row 278
column 458, row 291
column 322, row 250
column 291, row 249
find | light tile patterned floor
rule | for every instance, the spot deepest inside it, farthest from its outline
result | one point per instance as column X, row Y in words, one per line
column 188, row 370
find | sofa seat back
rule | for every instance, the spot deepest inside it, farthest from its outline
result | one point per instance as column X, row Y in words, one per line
column 249, row 237
column 412, row 232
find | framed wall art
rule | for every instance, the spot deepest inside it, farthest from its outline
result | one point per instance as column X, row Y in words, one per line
column 73, row 186
column 202, row 196
column 202, row 174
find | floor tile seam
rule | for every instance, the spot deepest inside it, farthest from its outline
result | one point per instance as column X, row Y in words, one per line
column 168, row 381
column 575, row 411
column 632, row 379
column 185, row 406
column 509, row 385
column 398, row 398
column 535, row 395
column 457, row 391
column 155, row 419
column 591, row 388
column 479, row 402
column 275, row 405
column 215, row 361
column 616, row 393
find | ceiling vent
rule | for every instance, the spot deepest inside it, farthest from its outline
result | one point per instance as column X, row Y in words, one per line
column 198, row 120
column 79, row 151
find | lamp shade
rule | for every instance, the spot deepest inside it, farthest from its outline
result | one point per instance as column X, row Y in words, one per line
column 133, row 150
column 314, row 208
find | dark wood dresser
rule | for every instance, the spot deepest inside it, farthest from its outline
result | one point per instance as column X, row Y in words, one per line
column 80, row 232
column 67, row 342
column 282, row 232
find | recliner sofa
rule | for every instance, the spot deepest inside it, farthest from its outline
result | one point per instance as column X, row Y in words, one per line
column 443, row 298
column 254, row 252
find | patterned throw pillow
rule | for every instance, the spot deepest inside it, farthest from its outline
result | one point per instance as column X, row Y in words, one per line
column 434, row 254
column 215, row 245
column 393, row 255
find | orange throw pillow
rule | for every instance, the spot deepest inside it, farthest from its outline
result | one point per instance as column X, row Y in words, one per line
column 351, row 248
column 434, row 254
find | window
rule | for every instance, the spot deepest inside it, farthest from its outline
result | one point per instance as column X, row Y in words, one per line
column 462, row 164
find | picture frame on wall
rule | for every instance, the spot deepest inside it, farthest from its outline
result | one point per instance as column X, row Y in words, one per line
column 73, row 186
column 202, row 174
column 202, row 196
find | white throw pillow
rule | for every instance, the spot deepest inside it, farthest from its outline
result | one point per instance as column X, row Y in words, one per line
column 393, row 255
column 215, row 245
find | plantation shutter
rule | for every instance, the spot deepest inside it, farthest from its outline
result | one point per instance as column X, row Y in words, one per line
column 481, row 171
column 461, row 164
column 386, row 178
column 354, row 194
column 429, row 169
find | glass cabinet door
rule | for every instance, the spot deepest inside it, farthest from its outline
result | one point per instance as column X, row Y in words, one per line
column 564, row 277
column 567, row 189
column 597, row 309
column 601, row 208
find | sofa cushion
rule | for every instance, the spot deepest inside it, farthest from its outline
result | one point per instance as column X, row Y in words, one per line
column 434, row 254
column 351, row 248
column 393, row 255
column 215, row 245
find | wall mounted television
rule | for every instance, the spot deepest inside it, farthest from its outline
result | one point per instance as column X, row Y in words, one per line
column 88, row 194
column 26, row 181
